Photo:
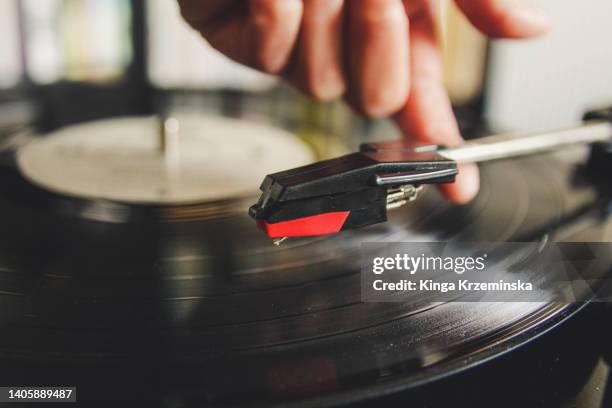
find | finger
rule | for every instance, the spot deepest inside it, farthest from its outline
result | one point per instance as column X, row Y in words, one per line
column 257, row 33
column 505, row 18
column 318, row 64
column 428, row 115
column 198, row 12
column 466, row 185
column 378, row 56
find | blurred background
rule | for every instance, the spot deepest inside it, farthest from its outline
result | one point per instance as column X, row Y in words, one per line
column 68, row 61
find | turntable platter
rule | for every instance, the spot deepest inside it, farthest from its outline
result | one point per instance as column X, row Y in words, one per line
column 122, row 159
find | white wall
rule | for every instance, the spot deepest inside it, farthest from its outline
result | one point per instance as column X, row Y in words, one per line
column 549, row 82
column 179, row 57
column 10, row 58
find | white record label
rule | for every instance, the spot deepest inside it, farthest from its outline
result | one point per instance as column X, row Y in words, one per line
column 205, row 158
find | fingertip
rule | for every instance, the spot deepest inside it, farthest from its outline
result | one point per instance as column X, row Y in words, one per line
column 326, row 87
column 466, row 186
column 383, row 102
column 379, row 56
column 326, row 90
column 529, row 20
column 318, row 67
column 505, row 18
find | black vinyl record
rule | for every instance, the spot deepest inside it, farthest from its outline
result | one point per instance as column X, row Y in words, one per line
column 193, row 304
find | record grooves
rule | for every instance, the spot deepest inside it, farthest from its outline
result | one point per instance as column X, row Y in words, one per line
column 195, row 295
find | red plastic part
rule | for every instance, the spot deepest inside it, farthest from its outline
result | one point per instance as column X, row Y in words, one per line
column 320, row 224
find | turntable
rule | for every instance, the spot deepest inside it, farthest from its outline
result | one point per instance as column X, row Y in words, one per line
column 130, row 268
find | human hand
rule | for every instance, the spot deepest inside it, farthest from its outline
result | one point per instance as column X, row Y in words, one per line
column 381, row 55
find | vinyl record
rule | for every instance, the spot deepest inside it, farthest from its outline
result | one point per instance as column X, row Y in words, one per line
column 193, row 303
